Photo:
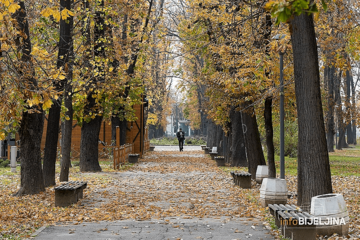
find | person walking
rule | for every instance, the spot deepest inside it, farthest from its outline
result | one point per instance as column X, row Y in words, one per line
column 181, row 138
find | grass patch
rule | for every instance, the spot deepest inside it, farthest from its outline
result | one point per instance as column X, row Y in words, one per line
column 342, row 163
column 174, row 141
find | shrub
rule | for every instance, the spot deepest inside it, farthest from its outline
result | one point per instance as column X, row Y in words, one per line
column 290, row 139
column 174, row 141
column 4, row 163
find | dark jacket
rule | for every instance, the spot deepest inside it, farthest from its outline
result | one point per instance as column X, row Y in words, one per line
column 180, row 135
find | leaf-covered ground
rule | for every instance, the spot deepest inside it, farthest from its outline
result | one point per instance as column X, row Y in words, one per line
column 162, row 184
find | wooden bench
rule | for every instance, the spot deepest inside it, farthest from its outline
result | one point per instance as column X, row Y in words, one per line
column 220, row 161
column 297, row 226
column 276, row 208
column 207, row 150
column 69, row 193
column 242, row 179
column 134, row 158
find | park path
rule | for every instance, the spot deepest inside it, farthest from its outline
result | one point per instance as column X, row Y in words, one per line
column 167, row 195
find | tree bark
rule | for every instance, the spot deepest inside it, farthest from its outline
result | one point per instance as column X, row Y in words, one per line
column 330, row 122
column 238, row 150
column 353, row 109
column 31, row 128
column 123, row 131
column 349, row 132
column 32, row 124
column 254, row 150
column 269, row 137
column 66, row 135
column 268, row 106
column 211, row 134
column 52, row 136
column 219, row 139
column 339, row 114
column 314, row 176
column 89, row 146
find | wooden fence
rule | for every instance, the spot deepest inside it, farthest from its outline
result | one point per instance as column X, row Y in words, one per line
column 146, row 145
column 121, row 154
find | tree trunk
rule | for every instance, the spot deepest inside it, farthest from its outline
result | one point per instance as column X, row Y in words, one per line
column 353, row 108
column 123, row 131
column 32, row 124
column 211, row 135
column 89, row 145
column 330, row 122
column 66, row 135
column 219, row 139
column 89, row 149
column 254, row 150
column 52, row 136
column 349, row 134
column 268, row 106
column 314, row 176
column 31, row 128
column 238, row 150
column 339, row 114
column 228, row 148
column 269, row 137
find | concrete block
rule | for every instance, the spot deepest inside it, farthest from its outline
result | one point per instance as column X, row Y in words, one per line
column 332, row 211
column 262, row 172
column 273, row 191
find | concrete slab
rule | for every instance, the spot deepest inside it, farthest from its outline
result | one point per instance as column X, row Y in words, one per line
column 170, row 228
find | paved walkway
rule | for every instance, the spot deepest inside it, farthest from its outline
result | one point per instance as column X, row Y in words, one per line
column 176, row 195
column 176, row 148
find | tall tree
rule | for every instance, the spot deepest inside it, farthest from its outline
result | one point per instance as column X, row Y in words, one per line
column 254, row 150
column 329, row 74
column 89, row 150
column 32, row 122
column 66, row 51
column 52, row 132
column 314, row 176
column 339, row 113
column 349, row 131
column 238, row 153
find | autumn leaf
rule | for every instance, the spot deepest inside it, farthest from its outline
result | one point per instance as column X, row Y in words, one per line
column 47, row 104
column 13, row 7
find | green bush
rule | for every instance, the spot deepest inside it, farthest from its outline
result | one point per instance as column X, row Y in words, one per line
column 290, row 139
column 4, row 163
column 174, row 141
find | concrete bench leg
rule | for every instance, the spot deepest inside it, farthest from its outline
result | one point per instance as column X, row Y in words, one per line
column 79, row 192
column 300, row 232
column 65, row 198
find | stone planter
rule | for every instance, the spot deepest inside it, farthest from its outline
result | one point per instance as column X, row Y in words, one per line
column 152, row 148
column 203, row 147
column 262, row 172
column 273, row 191
column 220, row 161
column 330, row 208
column 133, row 158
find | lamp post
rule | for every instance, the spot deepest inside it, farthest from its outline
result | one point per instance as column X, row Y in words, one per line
column 282, row 142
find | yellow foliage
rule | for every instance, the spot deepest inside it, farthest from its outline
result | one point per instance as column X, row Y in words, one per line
column 152, row 119
column 47, row 104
